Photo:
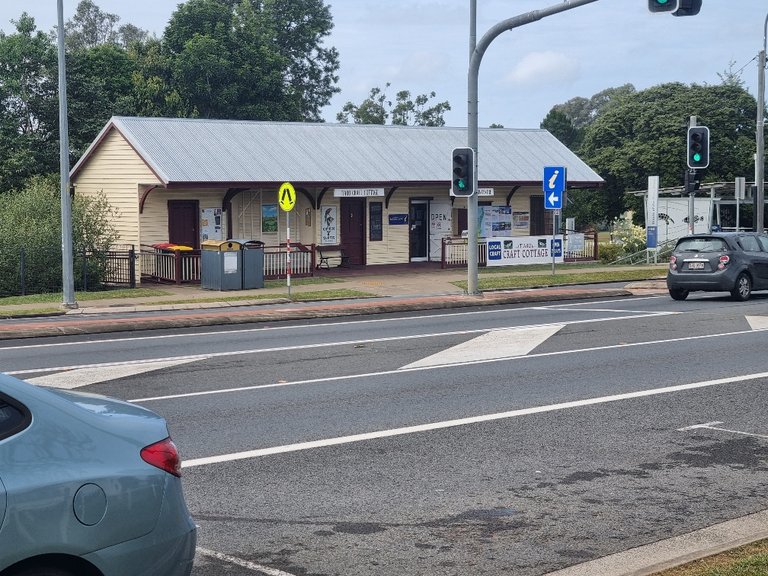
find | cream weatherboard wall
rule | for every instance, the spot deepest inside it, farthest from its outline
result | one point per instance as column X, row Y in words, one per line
column 247, row 218
column 116, row 170
column 154, row 219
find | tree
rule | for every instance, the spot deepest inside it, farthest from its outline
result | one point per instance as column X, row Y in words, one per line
column 563, row 129
column 28, row 104
column 377, row 109
column 252, row 59
column 583, row 111
column 90, row 27
column 644, row 134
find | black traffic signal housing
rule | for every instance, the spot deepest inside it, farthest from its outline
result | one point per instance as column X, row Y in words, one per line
column 698, row 147
column 691, row 183
column 687, row 8
column 662, row 5
column 463, row 172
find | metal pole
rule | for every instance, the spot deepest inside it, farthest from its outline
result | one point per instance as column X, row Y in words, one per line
column 67, row 274
column 473, row 134
column 472, row 206
column 760, row 132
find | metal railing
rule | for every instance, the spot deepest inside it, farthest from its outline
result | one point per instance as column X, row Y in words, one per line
column 648, row 255
column 39, row 271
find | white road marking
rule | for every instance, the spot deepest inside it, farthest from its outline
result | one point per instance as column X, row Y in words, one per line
column 71, row 379
column 242, row 563
column 420, row 318
column 758, row 322
column 491, row 346
column 464, row 421
column 714, row 426
column 209, row 355
column 435, row 367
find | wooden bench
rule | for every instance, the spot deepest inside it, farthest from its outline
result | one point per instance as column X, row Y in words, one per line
column 326, row 257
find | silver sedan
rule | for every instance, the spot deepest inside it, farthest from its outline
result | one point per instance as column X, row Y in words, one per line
column 89, row 486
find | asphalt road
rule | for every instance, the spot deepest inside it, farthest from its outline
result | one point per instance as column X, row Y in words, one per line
column 511, row 440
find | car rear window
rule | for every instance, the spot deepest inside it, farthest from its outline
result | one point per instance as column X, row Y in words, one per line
column 12, row 419
column 702, row 245
column 749, row 243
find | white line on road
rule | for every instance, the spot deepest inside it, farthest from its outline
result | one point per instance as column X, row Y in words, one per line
column 714, row 426
column 209, row 355
column 242, row 563
column 436, row 367
column 464, row 421
column 400, row 320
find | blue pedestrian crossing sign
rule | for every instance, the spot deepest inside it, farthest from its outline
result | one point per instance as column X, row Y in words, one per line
column 554, row 183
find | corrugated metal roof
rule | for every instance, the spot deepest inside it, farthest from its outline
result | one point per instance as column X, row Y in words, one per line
column 197, row 151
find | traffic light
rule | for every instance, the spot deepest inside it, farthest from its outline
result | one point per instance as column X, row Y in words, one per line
column 698, row 147
column 463, row 177
column 662, row 5
column 691, row 184
column 688, row 8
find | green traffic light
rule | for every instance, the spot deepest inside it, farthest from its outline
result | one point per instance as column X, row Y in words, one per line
column 697, row 157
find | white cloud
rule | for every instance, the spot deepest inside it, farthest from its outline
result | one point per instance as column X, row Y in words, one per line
column 544, row 69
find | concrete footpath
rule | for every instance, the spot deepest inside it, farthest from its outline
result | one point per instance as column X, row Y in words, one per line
column 385, row 289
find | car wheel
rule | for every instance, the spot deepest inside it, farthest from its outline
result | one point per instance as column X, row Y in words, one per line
column 678, row 294
column 743, row 288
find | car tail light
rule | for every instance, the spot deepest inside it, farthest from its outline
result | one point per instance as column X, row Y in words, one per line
column 673, row 262
column 163, row 455
column 724, row 259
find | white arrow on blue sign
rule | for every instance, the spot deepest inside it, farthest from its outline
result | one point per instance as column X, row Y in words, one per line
column 554, row 184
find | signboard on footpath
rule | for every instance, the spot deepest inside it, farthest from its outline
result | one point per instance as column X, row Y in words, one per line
column 524, row 250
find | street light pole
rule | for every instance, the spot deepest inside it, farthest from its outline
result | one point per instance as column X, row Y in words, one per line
column 473, row 132
column 67, row 275
column 760, row 132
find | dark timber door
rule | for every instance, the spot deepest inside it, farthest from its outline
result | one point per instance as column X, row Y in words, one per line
column 419, row 229
column 184, row 223
column 353, row 229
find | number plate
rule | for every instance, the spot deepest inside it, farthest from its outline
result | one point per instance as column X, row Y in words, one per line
column 695, row 265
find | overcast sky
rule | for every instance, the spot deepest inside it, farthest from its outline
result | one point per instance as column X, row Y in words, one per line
column 423, row 46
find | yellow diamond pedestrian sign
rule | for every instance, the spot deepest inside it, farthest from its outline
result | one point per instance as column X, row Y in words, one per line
column 287, row 197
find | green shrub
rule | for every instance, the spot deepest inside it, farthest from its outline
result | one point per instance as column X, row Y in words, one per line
column 30, row 236
column 609, row 252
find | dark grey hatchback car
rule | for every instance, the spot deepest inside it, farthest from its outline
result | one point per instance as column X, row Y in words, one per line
column 735, row 262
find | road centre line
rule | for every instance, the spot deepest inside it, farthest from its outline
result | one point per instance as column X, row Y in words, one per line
column 209, row 355
column 249, row 454
column 435, row 367
column 419, row 318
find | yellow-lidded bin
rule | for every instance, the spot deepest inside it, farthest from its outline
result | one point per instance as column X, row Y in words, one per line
column 221, row 245
column 221, row 265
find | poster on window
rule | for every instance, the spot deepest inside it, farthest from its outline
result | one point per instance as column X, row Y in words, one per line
column 495, row 221
column 269, row 218
column 210, row 224
column 440, row 226
column 328, row 225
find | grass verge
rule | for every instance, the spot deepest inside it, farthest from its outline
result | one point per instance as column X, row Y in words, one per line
column 748, row 560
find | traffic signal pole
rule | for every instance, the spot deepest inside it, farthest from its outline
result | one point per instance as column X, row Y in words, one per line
column 760, row 133
column 473, row 130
